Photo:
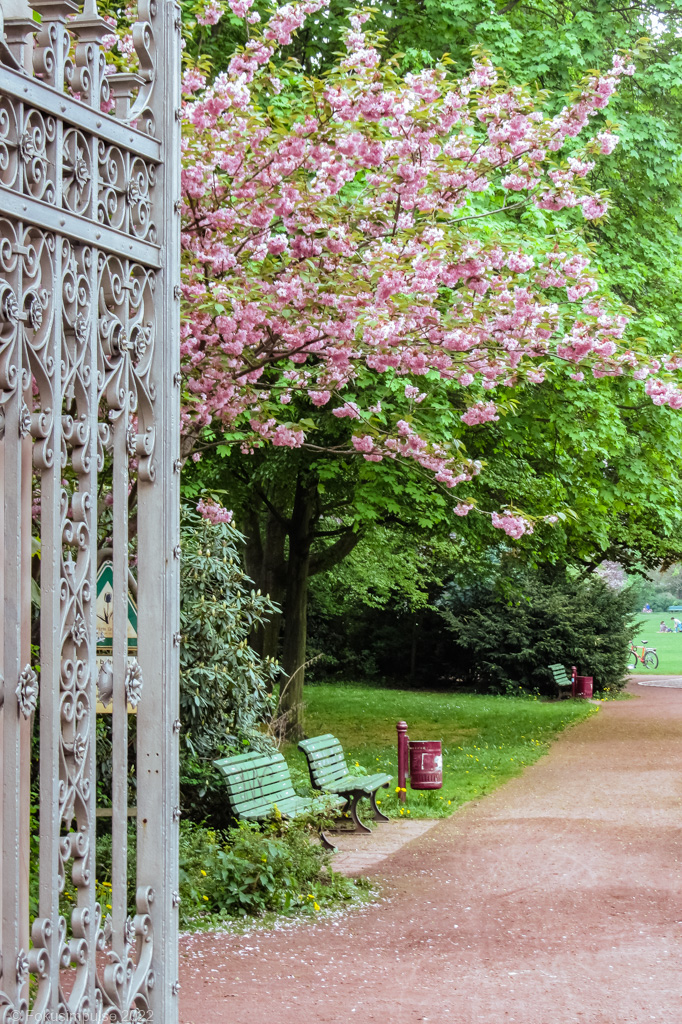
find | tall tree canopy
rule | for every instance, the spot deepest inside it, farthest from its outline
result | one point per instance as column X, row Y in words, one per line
column 383, row 253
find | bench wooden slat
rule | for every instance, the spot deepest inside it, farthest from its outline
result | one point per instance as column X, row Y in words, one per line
column 263, row 809
column 271, row 794
column 275, row 789
column 329, row 765
column 328, row 757
column 256, row 783
column 264, row 805
column 330, row 772
column 250, row 763
column 320, row 742
column 330, row 768
column 255, row 758
column 561, row 677
column 238, row 784
column 364, row 783
column 293, row 807
column 327, row 752
column 339, row 764
column 330, row 781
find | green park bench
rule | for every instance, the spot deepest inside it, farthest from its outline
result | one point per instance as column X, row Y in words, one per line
column 329, row 773
column 561, row 677
column 257, row 783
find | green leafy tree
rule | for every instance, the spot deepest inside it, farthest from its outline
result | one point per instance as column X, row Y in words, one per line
column 610, row 460
column 551, row 42
column 305, row 510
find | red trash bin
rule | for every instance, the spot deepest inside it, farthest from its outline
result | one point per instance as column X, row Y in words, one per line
column 583, row 687
column 426, row 764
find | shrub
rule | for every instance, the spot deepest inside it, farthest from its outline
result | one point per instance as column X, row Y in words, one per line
column 247, row 870
column 253, row 869
column 496, row 634
column 508, row 636
column 225, row 687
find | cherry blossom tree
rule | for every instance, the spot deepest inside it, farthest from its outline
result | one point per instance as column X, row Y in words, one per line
column 352, row 224
column 341, row 228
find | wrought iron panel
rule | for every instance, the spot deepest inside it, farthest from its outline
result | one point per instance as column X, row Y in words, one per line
column 89, row 426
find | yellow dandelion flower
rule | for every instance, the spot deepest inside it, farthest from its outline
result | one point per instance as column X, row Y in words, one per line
column 203, row 873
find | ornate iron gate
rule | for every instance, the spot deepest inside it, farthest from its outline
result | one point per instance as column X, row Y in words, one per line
column 89, row 414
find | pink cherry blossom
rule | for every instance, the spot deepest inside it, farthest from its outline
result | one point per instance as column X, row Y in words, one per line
column 296, row 292
column 514, row 526
column 481, row 412
column 214, row 512
column 607, row 142
column 211, row 14
column 594, row 208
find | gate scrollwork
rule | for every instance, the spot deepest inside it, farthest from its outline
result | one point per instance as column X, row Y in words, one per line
column 89, row 436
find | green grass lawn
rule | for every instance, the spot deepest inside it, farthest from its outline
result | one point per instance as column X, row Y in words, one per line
column 668, row 645
column 486, row 740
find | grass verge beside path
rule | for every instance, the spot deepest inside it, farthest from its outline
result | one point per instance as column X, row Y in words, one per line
column 668, row 645
column 486, row 740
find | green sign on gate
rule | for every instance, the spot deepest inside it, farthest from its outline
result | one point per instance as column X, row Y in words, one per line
column 105, row 622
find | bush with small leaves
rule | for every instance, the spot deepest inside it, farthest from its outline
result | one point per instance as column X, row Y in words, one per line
column 225, row 687
column 255, row 869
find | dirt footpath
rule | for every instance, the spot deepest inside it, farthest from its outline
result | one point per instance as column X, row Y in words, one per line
column 554, row 901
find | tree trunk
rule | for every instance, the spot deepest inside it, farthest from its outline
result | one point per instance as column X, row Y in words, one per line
column 416, row 623
column 296, row 607
column 265, row 564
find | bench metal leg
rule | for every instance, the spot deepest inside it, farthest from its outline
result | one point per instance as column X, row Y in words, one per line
column 359, row 825
column 327, row 844
column 378, row 816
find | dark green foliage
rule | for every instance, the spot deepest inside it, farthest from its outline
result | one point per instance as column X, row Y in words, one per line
column 495, row 634
column 661, row 601
column 603, row 453
column 645, row 590
column 507, row 639
column 225, row 687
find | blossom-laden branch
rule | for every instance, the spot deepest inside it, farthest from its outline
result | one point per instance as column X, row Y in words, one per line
column 342, row 226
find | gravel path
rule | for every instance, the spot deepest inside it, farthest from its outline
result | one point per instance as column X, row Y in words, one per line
column 553, row 901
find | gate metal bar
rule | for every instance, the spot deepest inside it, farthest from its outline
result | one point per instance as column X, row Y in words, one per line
column 89, row 400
